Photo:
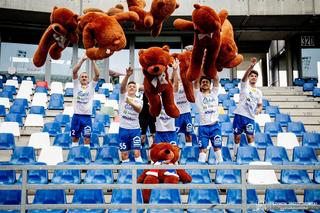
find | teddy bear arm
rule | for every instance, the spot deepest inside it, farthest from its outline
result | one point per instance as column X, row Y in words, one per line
column 141, row 178
column 87, row 36
column 235, row 62
column 188, row 89
column 95, row 53
column 147, row 192
column 148, row 20
column 194, row 70
column 168, row 102
column 181, row 24
column 184, row 176
column 55, row 50
column 209, row 67
column 154, row 102
column 74, row 38
column 171, row 179
column 127, row 16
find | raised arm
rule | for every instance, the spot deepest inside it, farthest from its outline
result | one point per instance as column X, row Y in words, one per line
column 77, row 67
column 96, row 71
column 253, row 61
column 216, row 81
column 175, row 77
column 123, row 87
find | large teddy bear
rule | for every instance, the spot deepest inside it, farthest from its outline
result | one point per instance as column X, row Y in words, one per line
column 160, row 154
column 157, row 86
column 152, row 20
column 228, row 56
column 206, row 25
column 58, row 35
column 102, row 34
column 184, row 63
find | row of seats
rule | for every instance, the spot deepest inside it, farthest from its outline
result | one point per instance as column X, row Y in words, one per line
column 163, row 196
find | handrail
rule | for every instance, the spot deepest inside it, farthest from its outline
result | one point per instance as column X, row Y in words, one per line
column 134, row 206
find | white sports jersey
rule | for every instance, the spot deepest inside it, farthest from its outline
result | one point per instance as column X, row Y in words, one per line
column 129, row 118
column 248, row 100
column 181, row 100
column 83, row 97
column 164, row 122
column 207, row 105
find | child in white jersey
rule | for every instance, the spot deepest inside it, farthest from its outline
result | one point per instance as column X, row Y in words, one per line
column 129, row 131
column 250, row 104
column 207, row 105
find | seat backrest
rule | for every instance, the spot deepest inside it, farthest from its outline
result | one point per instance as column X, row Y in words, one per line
column 280, row 196
column 34, row 120
column 10, row 127
column 312, row 196
column 228, row 176
column 189, row 154
column 39, row 140
column 287, row 140
column 283, row 119
column 165, row 196
column 311, row 139
column 23, row 155
column 262, row 176
column 234, row 196
column 7, row 141
column 294, row 177
column 80, row 155
column 10, row 197
column 247, row 154
column 88, row 196
column 261, row 119
column 305, row 155
column 51, row 196
column 276, row 155
column 51, row 155
column 202, row 196
column 99, row 176
column 124, row 196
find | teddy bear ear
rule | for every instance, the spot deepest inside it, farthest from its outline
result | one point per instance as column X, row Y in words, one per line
column 166, row 48
column 140, row 51
column 197, row 6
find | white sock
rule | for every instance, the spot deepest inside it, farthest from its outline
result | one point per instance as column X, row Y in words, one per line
column 219, row 156
column 138, row 159
column 87, row 145
column 235, row 149
column 202, row 157
column 252, row 144
column 74, row 144
column 125, row 161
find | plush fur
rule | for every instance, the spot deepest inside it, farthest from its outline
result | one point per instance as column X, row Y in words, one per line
column 206, row 25
column 167, row 154
column 185, row 59
column 102, row 34
column 228, row 56
column 111, row 12
column 154, row 62
column 58, row 35
column 152, row 20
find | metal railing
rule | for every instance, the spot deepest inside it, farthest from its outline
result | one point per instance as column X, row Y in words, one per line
column 24, row 187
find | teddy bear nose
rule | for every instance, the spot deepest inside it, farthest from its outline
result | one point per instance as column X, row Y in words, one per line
column 167, row 151
column 156, row 69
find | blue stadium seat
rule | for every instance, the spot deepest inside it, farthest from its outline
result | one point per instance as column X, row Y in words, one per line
column 236, row 81
column 56, row 96
column 224, row 118
column 230, row 140
column 103, row 118
column 21, row 101
column 96, row 104
column 316, row 176
column 223, row 81
column 196, row 121
column 51, row 196
column 226, row 155
column 308, row 87
column 204, row 196
column 10, row 88
column 104, row 91
column 124, row 196
column 230, row 111
column 311, row 196
column 234, row 196
column 7, row 176
column 108, row 155
column 165, row 196
column 15, row 77
column 283, row 119
column 94, row 141
column 125, row 175
column 304, row 155
column 40, row 110
column 79, row 155
column 311, row 140
column 18, row 109
column 143, row 153
column 62, row 119
column 257, row 128
column 53, row 128
column 66, row 176
column 8, row 95
column 226, row 128
column 265, row 103
column 313, row 80
column 36, row 176
column 88, row 196
column 7, row 141
column 29, row 78
column 12, row 117
column 262, row 140
column 63, row 140
column 276, row 155
column 247, row 154
column 189, row 155
column 2, row 111
column 94, row 112
column 99, row 176
column 297, row 128
column 56, row 104
column 199, row 175
column 233, row 91
column 294, row 176
column 227, row 103
column 3, row 78
column 114, row 96
column 98, row 128
column 111, row 139
column 316, row 92
column 298, row 82
column 222, row 97
column 41, row 89
column 23, row 155
column 228, row 176
column 281, row 196
column 272, row 128
column 272, row 111
column 68, row 92
column 10, row 197
column 67, row 128
column 228, row 86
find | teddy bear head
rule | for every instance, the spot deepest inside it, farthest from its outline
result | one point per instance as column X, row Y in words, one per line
column 164, row 152
column 202, row 15
column 65, row 17
column 155, row 60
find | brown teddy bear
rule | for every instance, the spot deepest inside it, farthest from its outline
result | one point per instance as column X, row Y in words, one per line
column 104, row 31
column 154, row 62
column 58, row 35
column 152, row 20
column 160, row 154
column 228, row 56
column 185, row 59
column 111, row 12
column 206, row 25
